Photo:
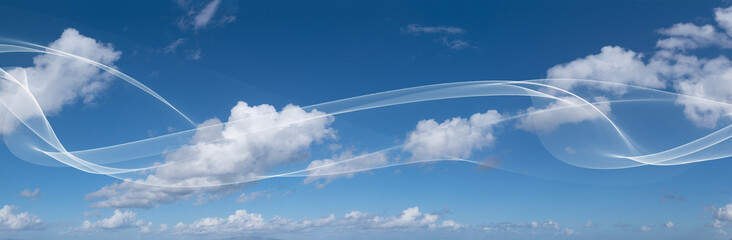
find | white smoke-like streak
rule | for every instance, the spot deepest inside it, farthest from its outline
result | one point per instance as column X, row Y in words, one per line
column 602, row 143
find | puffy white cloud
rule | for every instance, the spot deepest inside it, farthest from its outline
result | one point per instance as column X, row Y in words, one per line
column 691, row 36
column 612, row 64
column 9, row 220
column 244, row 222
column 722, row 216
column 57, row 81
column 723, row 16
column 28, row 193
column 565, row 110
column 346, row 165
column 711, row 79
column 119, row 220
column 452, row 224
column 453, row 138
column 684, row 36
column 254, row 140
column 163, row 227
column 706, row 83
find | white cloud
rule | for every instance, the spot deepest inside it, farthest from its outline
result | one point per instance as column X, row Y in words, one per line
column 565, row 110
column 452, row 224
column 246, row 222
column 455, row 44
column 28, row 193
column 163, row 227
column 669, row 224
column 683, row 36
column 119, row 220
column 723, row 16
column 419, row 29
column 450, row 42
column 589, row 224
column 246, row 197
column 454, row 138
column 57, row 81
column 612, row 64
column 722, row 216
column 253, row 141
column 9, row 220
column 243, row 222
column 707, row 82
column 346, row 165
column 513, row 227
column 204, row 15
column 203, row 18
column 172, row 47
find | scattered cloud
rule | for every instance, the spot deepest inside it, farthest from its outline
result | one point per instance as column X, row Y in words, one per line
column 669, row 224
column 31, row 194
column 448, row 35
column 670, row 197
column 722, row 216
column 201, row 15
column 417, row 29
column 589, row 224
column 706, row 82
column 453, row 138
column 253, row 141
column 57, row 81
column 247, row 197
column 172, row 47
column 119, row 220
column 10, row 220
column 244, row 222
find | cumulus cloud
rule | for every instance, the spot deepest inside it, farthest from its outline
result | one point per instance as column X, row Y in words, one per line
column 409, row 218
column 345, row 165
column 705, row 83
column 722, row 216
column 254, row 140
column 244, row 222
column 453, row 138
column 57, row 81
column 565, row 110
column 612, row 64
column 119, row 220
column 10, row 220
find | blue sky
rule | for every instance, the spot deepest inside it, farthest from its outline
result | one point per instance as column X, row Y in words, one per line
column 529, row 120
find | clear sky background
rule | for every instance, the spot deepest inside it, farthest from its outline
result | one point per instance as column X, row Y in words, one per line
column 205, row 57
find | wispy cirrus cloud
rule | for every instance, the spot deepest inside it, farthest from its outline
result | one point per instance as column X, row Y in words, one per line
column 448, row 35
